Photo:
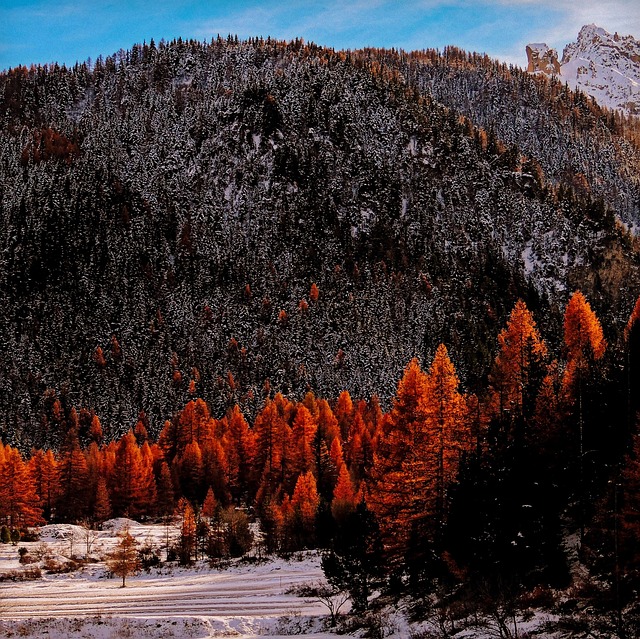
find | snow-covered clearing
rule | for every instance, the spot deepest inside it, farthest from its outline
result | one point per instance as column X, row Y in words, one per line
column 243, row 599
column 246, row 599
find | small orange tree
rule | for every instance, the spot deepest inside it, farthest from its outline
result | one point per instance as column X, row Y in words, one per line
column 522, row 353
column 123, row 560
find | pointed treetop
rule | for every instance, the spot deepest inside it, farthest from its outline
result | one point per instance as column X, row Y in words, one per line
column 442, row 370
column 521, row 330
column 209, row 505
column 522, row 353
column 411, row 388
column 583, row 334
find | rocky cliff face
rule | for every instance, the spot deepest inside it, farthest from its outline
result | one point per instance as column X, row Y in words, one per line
column 542, row 59
column 602, row 65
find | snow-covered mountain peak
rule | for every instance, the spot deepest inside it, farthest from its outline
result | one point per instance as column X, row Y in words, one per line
column 598, row 63
column 591, row 31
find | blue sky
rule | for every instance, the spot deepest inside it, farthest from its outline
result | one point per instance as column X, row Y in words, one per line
column 43, row 31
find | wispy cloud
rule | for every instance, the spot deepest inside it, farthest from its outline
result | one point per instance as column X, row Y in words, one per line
column 43, row 30
column 300, row 19
column 613, row 15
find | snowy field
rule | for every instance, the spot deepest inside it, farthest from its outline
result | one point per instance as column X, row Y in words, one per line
column 243, row 599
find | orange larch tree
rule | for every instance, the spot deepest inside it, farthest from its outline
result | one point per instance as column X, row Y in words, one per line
column 330, row 474
column 328, row 426
column 195, row 423
column 343, row 412
column 140, row 432
column 286, row 409
column 449, row 433
column 303, row 435
column 187, row 524
column 130, row 479
column 374, row 417
column 165, row 500
column 192, row 423
column 188, row 531
column 336, row 454
column 584, row 345
column 583, row 335
column 269, row 431
column 43, row 469
column 311, row 404
column 109, row 461
column 72, row 502
column 95, row 430
column 240, row 450
column 98, row 357
column 548, row 413
column 344, row 498
column 401, row 481
column 325, row 470
column 168, row 439
column 210, row 505
column 95, row 463
column 124, row 560
column 521, row 356
column 361, row 450
column 189, row 471
column 304, row 506
column 149, row 494
column 216, row 470
column 101, row 502
column 18, row 499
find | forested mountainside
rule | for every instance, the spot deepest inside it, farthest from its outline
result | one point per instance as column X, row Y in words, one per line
column 217, row 215
column 575, row 141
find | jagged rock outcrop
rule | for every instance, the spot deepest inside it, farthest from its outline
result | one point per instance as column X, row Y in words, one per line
column 542, row 59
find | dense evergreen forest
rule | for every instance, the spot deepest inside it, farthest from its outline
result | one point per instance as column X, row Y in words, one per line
column 526, row 495
column 237, row 213
column 218, row 259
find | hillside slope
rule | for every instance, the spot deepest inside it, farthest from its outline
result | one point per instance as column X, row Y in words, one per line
column 174, row 205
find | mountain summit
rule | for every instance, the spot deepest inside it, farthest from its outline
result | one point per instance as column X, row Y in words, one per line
column 604, row 66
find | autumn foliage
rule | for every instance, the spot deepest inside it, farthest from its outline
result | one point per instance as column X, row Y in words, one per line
column 303, row 464
column 521, row 353
column 424, row 438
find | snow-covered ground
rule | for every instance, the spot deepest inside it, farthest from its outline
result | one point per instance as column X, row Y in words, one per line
column 243, row 599
column 246, row 599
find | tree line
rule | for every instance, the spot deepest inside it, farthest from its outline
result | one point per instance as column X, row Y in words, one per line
column 445, row 487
